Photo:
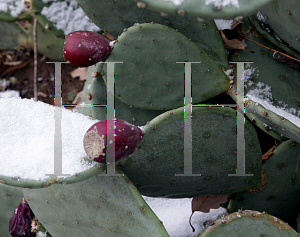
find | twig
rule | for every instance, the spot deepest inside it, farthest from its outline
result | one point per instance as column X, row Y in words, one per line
column 273, row 50
column 35, row 60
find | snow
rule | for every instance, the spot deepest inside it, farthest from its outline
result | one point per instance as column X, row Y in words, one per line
column 223, row 3
column 175, row 214
column 262, row 94
column 34, row 150
column 176, row 2
column 223, row 24
column 27, row 137
column 260, row 17
column 9, row 94
column 15, row 7
column 68, row 16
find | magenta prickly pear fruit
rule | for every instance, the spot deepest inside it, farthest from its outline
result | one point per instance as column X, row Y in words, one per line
column 126, row 135
column 85, row 48
column 20, row 222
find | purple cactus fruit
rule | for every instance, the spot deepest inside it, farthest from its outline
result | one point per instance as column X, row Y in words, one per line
column 85, row 48
column 127, row 137
column 20, row 222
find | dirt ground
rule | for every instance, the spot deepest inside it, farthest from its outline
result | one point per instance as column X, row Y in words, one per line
column 17, row 68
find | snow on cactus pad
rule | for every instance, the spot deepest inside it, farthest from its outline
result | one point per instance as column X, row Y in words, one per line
column 150, row 77
column 271, row 87
column 98, row 206
column 27, row 144
column 208, row 9
column 160, row 155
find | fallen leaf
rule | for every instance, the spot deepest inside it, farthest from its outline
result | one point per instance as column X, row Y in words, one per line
column 80, row 72
column 268, row 153
column 205, row 203
column 42, row 94
column 232, row 43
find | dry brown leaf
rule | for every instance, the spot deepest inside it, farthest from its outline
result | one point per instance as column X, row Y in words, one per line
column 42, row 94
column 205, row 203
column 268, row 153
column 80, row 72
column 234, row 24
column 233, row 43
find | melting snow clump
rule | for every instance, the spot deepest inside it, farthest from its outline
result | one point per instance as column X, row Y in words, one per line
column 223, row 24
column 261, row 93
column 176, row 2
column 14, row 7
column 68, row 16
column 223, row 3
column 27, row 139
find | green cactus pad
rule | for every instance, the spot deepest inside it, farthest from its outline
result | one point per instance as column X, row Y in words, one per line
column 271, row 84
column 252, row 117
column 200, row 8
column 6, row 16
column 48, row 43
column 12, row 35
column 35, row 7
column 160, row 156
column 283, row 17
column 28, row 183
column 102, row 206
column 279, row 192
column 10, row 198
column 248, row 223
column 275, row 121
column 267, row 31
column 96, row 90
column 150, row 78
column 121, row 14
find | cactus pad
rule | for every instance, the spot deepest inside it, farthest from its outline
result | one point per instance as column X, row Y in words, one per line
column 150, row 78
column 248, row 223
column 108, row 206
column 279, row 192
column 160, row 156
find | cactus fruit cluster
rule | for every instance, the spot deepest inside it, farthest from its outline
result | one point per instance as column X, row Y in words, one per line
column 154, row 44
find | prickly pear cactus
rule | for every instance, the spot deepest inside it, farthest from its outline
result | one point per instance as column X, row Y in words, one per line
column 248, row 223
column 94, row 95
column 270, row 85
column 278, row 194
column 9, row 198
column 122, row 14
column 151, row 70
column 283, row 18
column 207, row 9
column 106, row 205
column 153, row 167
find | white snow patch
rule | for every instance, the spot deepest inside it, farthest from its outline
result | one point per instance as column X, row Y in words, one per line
column 42, row 234
column 223, row 3
column 176, row 2
column 175, row 214
column 13, row 7
column 27, row 139
column 262, row 94
column 9, row 94
column 68, row 16
column 261, row 17
column 223, row 24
